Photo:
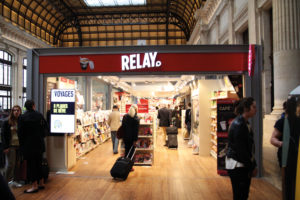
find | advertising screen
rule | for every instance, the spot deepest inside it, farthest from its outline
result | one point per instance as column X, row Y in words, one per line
column 62, row 110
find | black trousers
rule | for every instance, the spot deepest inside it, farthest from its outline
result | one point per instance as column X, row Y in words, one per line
column 34, row 168
column 128, row 145
column 240, row 181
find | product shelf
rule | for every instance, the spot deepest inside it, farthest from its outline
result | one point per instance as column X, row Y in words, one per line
column 213, row 154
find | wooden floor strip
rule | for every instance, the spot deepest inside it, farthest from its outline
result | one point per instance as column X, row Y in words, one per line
column 176, row 174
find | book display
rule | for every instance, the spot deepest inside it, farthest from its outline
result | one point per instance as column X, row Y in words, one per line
column 145, row 144
column 91, row 130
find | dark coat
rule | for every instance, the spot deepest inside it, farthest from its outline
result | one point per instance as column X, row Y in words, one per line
column 31, row 133
column 164, row 116
column 241, row 143
column 6, row 134
column 131, row 128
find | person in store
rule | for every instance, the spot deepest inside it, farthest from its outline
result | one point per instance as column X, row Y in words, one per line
column 130, row 125
column 11, row 145
column 164, row 116
column 188, row 118
column 176, row 116
column 240, row 161
column 31, row 132
column 114, row 123
column 286, row 138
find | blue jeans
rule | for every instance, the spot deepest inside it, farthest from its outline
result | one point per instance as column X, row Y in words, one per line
column 115, row 141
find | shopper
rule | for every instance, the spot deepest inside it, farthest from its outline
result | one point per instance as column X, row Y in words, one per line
column 114, row 123
column 164, row 116
column 188, row 118
column 130, row 124
column 290, row 145
column 240, row 161
column 31, row 130
column 176, row 117
column 11, row 145
column 276, row 138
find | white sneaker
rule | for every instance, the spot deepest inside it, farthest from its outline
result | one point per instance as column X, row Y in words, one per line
column 16, row 184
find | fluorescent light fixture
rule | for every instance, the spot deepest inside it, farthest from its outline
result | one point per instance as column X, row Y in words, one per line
column 99, row 3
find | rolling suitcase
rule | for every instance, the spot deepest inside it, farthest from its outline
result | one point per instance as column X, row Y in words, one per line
column 122, row 166
column 172, row 133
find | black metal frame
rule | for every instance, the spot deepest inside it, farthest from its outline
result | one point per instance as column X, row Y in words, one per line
column 55, row 21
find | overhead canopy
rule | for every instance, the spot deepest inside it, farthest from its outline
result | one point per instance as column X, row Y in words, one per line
column 71, row 23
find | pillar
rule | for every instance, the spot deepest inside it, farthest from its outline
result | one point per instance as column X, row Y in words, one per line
column 286, row 28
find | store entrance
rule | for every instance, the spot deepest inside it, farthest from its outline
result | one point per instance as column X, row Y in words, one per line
column 203, row 94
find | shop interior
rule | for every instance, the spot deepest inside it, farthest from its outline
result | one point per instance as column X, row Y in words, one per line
column 211, row 97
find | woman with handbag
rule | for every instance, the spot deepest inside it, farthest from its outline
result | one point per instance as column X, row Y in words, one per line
column 11, row 145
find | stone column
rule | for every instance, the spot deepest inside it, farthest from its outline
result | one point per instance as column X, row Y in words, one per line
column 286, row 39
column 252, row 23
column 230, row 22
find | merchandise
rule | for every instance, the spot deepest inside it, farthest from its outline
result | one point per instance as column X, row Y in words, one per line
column 143, row 158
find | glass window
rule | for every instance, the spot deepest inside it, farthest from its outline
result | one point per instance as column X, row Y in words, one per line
column 95, row 3
column 5, row 80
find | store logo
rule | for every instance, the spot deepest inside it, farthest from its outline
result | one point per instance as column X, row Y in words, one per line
column 133, row 61
column 85, row 62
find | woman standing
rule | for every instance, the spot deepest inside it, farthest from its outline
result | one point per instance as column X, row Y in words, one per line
column 130, row 124
column 11, row 144
column 240, row 161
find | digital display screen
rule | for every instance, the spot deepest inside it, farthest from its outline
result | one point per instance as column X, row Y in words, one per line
column 62, row 110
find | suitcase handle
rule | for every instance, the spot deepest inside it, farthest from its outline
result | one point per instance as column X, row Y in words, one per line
column 130, row 151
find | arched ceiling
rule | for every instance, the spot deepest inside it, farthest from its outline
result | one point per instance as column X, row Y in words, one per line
column 69, row 23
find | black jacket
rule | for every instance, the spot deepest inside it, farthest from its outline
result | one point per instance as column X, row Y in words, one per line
column 241, row 143
column 31, row 133
column 188, row 116
column 164, row 116
column 131, row 128
column 6, row 134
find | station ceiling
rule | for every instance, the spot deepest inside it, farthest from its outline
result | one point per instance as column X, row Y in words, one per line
column 71, row 23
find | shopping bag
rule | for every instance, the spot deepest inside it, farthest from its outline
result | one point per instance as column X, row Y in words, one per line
column 120, row 132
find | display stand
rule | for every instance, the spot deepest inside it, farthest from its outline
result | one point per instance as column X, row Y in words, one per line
column 146, row 140
column 92, row 130
column 222, row 114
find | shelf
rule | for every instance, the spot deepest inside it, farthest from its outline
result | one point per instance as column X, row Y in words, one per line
column 214, row 141
column 213, row 133
column 213, row 116
column 144, row 149
column 215, row 125
column 214, row 107
column 145, row 136
column 213, row 154
column 146, row 123
column 87, row 124
column 143, row 163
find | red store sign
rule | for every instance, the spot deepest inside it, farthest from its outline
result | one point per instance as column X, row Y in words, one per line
column 145, row 62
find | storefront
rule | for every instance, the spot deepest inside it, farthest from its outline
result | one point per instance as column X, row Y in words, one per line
column 74, row 67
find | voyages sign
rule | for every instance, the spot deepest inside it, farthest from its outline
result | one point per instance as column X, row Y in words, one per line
column 62, row 111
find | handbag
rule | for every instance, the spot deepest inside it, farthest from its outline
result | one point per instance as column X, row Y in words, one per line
column 120, row 132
